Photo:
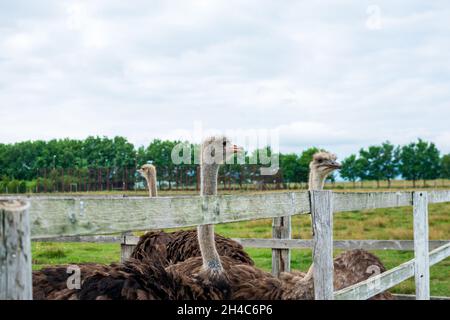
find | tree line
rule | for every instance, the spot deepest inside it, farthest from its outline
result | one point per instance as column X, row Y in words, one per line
column 23, row 162
column 419, row 160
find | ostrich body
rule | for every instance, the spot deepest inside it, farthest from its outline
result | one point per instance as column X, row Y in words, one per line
column 145, row 279
column 181, row 245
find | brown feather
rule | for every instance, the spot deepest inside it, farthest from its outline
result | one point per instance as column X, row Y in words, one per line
column 181, row 245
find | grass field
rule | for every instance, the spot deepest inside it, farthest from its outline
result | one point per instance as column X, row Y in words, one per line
column 391, row 223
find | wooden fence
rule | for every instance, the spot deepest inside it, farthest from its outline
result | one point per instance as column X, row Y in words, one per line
column 51, row 218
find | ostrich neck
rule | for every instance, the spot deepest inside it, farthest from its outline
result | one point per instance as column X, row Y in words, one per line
column 211, row 258
column 316, row 182
column 151, row 183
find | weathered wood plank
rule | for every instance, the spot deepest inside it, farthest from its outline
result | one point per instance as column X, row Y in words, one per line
column 88, row 215
column 382, row 282
column 401, row 245
column 105, row 215
column 421, row 254
column 281, row 258
column 406, row 245
column 322, row 222
column 15, row 251
column 354, row 201
column 438, row 196
column 86, row 239
column 413, row 297
column 439, row 254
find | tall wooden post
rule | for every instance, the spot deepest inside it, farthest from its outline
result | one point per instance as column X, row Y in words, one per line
column 281, row 258
column 322, row 222
column 15, row 251
column 422, row 257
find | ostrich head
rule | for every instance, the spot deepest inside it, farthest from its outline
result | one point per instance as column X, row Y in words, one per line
column 217, row 150
column 148, row 171
column 323, row 164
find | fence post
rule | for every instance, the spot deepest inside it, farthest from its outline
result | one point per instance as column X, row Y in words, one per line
column 322, row 223
column 126, row 249
column 281, row 258
column 422, row 258
column 15, row 251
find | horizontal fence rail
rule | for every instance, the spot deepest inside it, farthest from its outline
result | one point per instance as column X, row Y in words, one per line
column 400, row 245
column 98, row 215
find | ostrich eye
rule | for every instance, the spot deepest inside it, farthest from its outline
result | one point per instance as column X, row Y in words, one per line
column 224, row 143
column 320, row 160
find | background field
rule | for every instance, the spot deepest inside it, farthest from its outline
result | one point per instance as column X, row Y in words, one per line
column 383, row 224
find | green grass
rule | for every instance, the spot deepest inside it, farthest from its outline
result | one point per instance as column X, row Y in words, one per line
column 46, row 253
column 391, row 223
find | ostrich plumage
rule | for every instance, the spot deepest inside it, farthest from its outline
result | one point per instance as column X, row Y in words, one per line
column 147, row 279
column 144, row 279
column 179, row 246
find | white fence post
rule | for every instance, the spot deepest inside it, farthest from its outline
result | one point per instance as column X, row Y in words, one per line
column 15, row 251
column 422, row 258
column 322, row 222
column 281, row 258
column 126, row 249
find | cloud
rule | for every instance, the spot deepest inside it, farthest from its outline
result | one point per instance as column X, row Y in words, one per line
column 312, row 70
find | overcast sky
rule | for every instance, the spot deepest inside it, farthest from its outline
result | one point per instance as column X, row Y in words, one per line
column 335, row 74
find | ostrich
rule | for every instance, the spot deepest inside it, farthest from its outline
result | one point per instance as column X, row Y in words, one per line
column 350, row 267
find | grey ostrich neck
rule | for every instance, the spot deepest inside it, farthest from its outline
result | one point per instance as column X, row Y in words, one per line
column 151, row 183
column 211, row 258
column 316, row 181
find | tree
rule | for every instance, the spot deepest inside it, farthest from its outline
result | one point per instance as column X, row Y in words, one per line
column 445, row 166
column 290, row 166
column 374, row 163
column 419, row 160
column 160, row 153
column 431, row 162
column 349, row 170
column 389, row 162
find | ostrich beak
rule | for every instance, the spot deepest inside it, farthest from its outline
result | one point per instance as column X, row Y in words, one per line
column 335, row 165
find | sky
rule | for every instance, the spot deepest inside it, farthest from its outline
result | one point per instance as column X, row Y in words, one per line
column 339, row 75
